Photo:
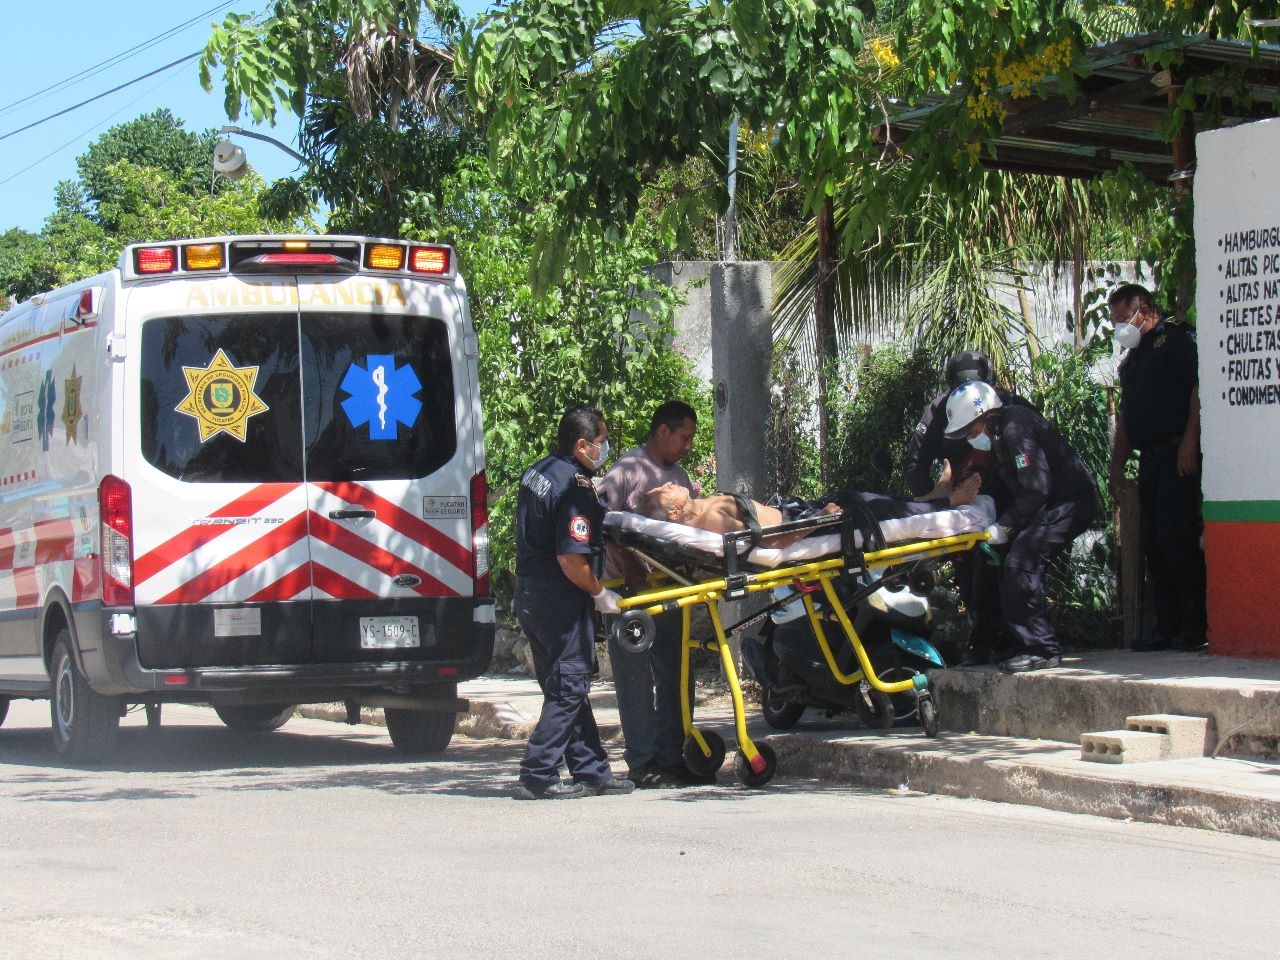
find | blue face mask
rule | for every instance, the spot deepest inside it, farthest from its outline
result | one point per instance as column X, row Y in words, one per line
column 603, row 452
column 981, row 442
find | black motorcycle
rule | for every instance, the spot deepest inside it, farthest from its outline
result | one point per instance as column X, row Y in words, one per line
column 892, row 620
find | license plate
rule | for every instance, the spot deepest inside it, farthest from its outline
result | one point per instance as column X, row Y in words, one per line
column 379, row 632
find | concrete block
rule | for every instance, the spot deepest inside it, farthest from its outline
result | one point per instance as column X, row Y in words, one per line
column 1123, row 746
column 1187, row 735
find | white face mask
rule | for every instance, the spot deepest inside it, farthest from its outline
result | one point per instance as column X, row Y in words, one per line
column 603, row 447
column 1128, row 334
column 981, row 442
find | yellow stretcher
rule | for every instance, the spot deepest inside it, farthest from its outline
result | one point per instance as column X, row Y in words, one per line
column 685, row 576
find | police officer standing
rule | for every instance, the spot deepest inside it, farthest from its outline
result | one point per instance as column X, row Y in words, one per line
column 977, row 581
column 1055, row 499
column 1160, row 418
column 559, row 554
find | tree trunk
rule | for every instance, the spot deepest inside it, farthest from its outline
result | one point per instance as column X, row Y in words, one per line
column 824, row 318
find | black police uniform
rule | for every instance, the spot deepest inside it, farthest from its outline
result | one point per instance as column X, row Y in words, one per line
column 977, row 581
column 558, row 512
column 1055, row 498
column 1156, row 381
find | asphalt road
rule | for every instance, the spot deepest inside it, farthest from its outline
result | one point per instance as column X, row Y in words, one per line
column 320, row 841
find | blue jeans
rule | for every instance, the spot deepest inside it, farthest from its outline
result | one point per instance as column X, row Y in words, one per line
column 648, row 690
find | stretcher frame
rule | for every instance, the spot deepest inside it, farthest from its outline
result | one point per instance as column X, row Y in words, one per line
column 732, row 577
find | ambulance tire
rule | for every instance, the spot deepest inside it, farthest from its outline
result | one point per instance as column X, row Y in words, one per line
column 85, row 723
column 420, row 733
column 255, row 717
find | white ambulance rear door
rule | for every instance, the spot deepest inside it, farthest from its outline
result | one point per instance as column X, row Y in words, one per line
column 214, row 448
column 389, row 403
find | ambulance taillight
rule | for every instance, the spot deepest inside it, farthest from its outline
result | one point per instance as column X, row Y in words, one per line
column 153, row 260
column 480, row 533
column 115, row 509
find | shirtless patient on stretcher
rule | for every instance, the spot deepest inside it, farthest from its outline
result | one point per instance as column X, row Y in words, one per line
column 720, row 512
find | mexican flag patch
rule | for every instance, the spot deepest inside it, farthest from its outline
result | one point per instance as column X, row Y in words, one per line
column 1020, row 461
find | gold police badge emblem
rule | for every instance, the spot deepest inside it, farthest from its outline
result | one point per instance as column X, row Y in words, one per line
column 72, row 411
column 221, row 398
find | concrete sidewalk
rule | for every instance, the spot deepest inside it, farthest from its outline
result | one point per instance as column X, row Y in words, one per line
column 1016, row 739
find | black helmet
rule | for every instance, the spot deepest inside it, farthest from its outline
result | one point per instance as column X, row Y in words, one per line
column 966, row 366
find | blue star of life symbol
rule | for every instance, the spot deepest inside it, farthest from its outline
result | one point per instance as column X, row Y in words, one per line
column 381, row 395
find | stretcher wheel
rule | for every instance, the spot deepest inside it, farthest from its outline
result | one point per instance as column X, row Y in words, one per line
column 874, row 708
column 779, row 712
column 634, row 631
column 928, row 716
column 767, row 762
column 697, row 762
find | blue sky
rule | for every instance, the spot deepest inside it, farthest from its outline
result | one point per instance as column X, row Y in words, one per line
column 46, row 46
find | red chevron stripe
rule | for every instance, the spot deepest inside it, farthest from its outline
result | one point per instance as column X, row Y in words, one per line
column 287, row 587
column 338, row 586
column 25, row 588
column 8, row 547
column 55, row 540
column 193, row 538
column 401, row 520
column 322, row 528
column 87, row 585
column 239, row 563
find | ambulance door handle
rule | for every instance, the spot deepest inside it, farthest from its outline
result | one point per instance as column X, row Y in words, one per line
column 351, row 514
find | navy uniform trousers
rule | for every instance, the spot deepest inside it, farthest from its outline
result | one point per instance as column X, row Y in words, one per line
column 1022, row 601
column 558, row 622
column 1169, row 530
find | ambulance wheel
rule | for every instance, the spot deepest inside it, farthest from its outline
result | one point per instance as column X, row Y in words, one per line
column 85, row 723
column 750, row 777
column 255, row 717
column 699, row 764
column 928, row 716
column 420, row 733
column 634, row 631
column 874, row 708
column 779, row 712
column 4, row 708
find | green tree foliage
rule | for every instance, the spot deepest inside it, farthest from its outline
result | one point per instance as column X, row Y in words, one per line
column 598, row 98
column 131, row 202
column 371, row 83
column 155, row 140
column 581, row 342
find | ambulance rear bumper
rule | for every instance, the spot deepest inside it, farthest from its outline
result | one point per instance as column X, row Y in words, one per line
column 460, row 647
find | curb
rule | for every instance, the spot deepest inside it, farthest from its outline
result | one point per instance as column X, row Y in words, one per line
column 983, row 774
column 498, row 721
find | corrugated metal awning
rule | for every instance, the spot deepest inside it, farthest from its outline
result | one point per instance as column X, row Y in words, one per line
column 1122, row 113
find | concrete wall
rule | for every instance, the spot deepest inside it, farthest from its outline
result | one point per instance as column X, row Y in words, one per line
column 1237, row 236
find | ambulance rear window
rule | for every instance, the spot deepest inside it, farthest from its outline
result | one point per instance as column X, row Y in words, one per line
column 268, row 397
column 220, row 399
column 379, row 398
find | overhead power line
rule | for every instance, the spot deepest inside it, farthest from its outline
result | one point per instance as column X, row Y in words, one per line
column 112, row 61
column 85, row 103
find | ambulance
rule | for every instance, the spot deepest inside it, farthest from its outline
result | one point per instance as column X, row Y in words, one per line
column 246, row 472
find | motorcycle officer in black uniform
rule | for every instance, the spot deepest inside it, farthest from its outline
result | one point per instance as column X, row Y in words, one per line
column 1055, row 498
column 559, row 555
column 977, row 580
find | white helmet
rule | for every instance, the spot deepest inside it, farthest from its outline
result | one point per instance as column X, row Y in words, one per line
column 967, row 403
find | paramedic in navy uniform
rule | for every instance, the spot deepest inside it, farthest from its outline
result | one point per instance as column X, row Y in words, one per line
column 559, row 553
column 1055, row 498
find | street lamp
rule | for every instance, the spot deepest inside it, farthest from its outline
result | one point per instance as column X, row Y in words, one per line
column 229, row 160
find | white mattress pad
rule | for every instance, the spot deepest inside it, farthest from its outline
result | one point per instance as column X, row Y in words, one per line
column 971, row 518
